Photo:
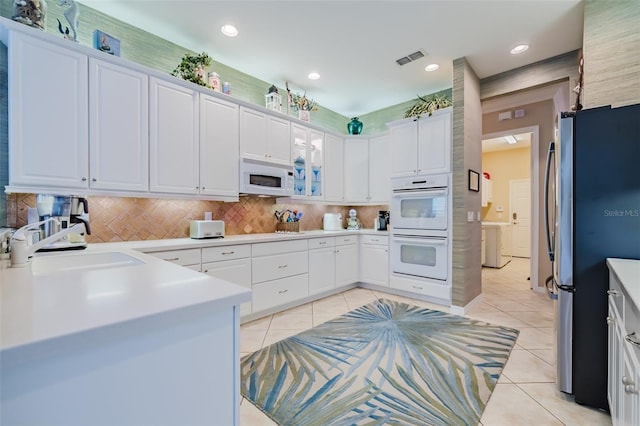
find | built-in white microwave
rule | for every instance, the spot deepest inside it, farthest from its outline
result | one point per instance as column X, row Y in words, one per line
column 265, row 179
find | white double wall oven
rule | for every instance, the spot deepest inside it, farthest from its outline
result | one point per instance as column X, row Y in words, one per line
column 420, row 235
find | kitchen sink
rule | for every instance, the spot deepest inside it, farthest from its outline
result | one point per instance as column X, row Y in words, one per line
column 51, row 264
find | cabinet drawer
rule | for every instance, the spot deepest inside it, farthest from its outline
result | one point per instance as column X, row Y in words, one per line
column 278, row 247
column 179, row 257
column 382, row 240
column 274, row 293
column 215, row 254
column 316, row 243
column 343, row 240
column 425, row 287
column 269, row 268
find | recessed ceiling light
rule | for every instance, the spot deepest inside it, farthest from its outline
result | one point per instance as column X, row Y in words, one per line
column 431, row 67
column 313, row 76
column 229, row 30
column 510, row 139
column 519, row 49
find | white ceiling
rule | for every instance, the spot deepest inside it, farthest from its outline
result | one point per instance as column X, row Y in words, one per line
column 354, row 44
column 500, row 143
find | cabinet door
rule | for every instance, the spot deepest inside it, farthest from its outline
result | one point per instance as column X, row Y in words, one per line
column 346, row 265
column 379, row 170
column 235, row 271
column 173, row 133
column 434, row 143
column 253, row 134
column 404, row 139
column 119, row 127
column 278, row 140
column 219, row 147
column 48, row 118
column 614, row 352
column 333, row 168
column 374, row 264
column 356, row 170
column 322, row 270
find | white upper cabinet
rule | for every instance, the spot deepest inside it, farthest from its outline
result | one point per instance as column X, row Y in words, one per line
column 173, row 136
column 379, row 170
column 421, row 146
column 119, row 127
column 219, row 146
column 48, row 118
column 307, row 157
column 264, row 137
column 334, row 168
column 356, row 170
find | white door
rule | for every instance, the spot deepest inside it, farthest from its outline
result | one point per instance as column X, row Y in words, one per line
column 404, row 139
column 253, row 134
column 278, row 141
column 434, row 143
column 520, row 214
column 379, row 170
column 119, row 127
column 333, row 168
column 219, row 147
column 356, row 170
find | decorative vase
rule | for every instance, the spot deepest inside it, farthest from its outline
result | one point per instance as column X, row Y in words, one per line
column 32, row 13
column 304, row 115
column 354, row 126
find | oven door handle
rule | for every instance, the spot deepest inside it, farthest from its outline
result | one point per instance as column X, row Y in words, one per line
column 413, row 239
column 417, row 193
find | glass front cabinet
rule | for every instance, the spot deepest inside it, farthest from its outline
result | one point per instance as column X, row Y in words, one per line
column 307, row 157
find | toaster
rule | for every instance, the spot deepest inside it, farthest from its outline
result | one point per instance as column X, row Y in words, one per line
column 332, row 222
column 207, row 229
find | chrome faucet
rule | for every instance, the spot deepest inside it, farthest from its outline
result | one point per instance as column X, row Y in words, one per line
column 22, row 251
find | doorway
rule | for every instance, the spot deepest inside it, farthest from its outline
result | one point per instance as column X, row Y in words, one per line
column 508, row 162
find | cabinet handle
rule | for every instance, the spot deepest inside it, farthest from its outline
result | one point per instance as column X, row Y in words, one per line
column 626, row 380
column 172, row 259
column 282, row 266
column 205, row 271
column 375, row 239
column 84, row 179
column 632, row 338
column 417, row 287
column 612, row 292
column 610, row 320
column 283, row 291
column 94, row 180
column 322, row 242
column 631, row 389
column 204, row 187
column 224, row 253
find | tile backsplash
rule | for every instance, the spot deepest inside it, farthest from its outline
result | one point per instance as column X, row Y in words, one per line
column 129, row 219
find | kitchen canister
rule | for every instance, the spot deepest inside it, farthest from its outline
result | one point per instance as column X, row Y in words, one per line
column 214, row 81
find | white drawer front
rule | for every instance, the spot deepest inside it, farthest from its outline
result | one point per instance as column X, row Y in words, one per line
column 274, row 293
column 278, row 247
column 316, row 243
column 236, row 271
column 426, row 287
column 269, row 268
column 179, row 257
column 382, row 240
column 215, row 254
column 343, row 240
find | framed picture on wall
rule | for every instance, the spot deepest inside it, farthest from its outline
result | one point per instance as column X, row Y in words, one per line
column 474, row 181
column 106, row 43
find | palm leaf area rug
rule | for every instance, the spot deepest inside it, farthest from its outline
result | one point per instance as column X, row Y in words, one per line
column 385, row 363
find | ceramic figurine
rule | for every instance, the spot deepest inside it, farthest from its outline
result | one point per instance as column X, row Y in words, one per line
column 71, row 14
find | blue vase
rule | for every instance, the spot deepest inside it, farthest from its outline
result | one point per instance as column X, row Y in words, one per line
column 354, row 126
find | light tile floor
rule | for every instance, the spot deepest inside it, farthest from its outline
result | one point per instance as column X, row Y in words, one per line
column 526, row 393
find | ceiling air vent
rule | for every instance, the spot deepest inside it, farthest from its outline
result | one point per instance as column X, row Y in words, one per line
column 411, row 57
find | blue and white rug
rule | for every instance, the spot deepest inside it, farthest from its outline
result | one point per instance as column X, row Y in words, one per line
column 385, row 363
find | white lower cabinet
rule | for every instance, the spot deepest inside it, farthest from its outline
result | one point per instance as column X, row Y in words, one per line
column 623, row 390
column 230, row 263
column 279, row 272
column 322, row 264
column 346, row 260
column 374, row 259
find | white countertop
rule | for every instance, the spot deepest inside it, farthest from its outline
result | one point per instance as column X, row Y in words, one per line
column 627, row 271
column 35, row 308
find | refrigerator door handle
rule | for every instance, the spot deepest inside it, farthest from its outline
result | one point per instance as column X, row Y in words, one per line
column 550, row 155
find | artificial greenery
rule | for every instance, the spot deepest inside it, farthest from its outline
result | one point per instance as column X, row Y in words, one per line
column 428, row 105
column 192, row 67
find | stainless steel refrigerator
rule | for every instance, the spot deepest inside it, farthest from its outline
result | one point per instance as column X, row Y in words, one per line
column 592, row 212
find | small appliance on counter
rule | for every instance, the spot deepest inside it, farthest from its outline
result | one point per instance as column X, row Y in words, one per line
column 382, row 221
column 67, row 210
column 353, row 222
column 200, row 229
column 332, row 222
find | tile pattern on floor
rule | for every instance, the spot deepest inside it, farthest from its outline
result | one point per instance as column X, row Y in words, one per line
column 526, row 392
